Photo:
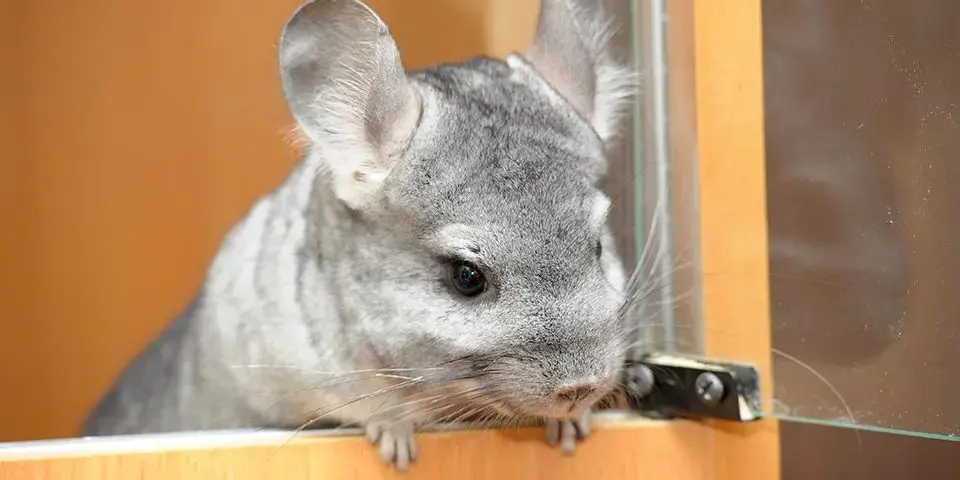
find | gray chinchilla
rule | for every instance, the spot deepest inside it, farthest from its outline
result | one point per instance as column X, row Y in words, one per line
column 441, row 253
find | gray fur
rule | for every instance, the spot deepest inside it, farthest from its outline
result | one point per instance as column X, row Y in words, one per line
column 343, row 269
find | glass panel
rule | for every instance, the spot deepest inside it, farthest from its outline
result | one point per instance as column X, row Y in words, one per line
column 862, row 167
column 665, row 178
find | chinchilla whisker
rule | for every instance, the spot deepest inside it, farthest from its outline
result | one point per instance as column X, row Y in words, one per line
column 440, row 402
column 643, row 326
column 324, row 412
column 652, row 282
column 496, row 419
column 508, row 421
column 330, row 373
column 636, row 301
column 655, row 258
column 642, row 297
column 464, row 412
column 371, row 376
column 319, row 416
column 389, row 389
column 524, row 421
column 655, row 344
column 652, row 320
column 684, row 295
column 458, row 397
column 653, row 228
column 414, row 401
column 416, row 409
column 427, row 414
column 477, row 415
column 648, row 282
column 478, row 401
column 809, row 368
column 455, row 416
column 665, row 306
column 658, row 264
column 340, row 378
column 652, row 287
column 469, row 409
column 851, row 418
column 334, row 382
column 445, row 378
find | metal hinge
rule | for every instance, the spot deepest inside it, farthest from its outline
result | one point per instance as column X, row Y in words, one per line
column 669, row 386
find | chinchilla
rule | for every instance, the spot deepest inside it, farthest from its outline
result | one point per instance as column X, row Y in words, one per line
column 441, row 252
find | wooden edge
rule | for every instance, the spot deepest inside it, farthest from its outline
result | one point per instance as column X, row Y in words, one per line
column 615, row 450
column 733, row 222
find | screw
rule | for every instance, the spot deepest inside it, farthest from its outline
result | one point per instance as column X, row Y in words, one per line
column 640, row 380
column 709, row 388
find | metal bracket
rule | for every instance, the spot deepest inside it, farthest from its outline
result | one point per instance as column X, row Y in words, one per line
column 668, row 386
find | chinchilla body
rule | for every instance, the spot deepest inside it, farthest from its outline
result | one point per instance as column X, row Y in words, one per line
column 441, row 248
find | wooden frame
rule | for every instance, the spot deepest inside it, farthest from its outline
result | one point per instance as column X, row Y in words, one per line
column 734, row 261
column 730, row 133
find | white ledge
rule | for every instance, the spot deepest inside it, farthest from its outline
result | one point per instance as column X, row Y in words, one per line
column 180, row 441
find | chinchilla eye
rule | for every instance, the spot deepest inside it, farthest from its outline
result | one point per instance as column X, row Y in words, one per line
column 599, row 248
column 467, row 279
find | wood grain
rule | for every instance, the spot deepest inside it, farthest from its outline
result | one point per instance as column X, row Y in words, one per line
column 733, row 220
column 627, row 450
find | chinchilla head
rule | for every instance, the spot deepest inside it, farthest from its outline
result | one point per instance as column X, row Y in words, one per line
column 463, row 220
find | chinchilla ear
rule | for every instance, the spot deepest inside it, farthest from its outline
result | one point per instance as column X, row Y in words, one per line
column 571, row 51
column 347, row 89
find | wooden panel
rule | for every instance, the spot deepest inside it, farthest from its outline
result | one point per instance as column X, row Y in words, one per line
column 627, row 451
column 510, row 25
column 733, row 224
column 15, row 238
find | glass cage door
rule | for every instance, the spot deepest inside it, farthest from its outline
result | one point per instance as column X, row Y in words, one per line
column 863, row 142
column 862, row 145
